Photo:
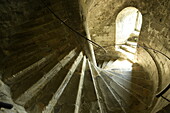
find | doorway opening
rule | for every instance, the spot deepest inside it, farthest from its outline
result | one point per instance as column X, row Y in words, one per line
column 128, row 26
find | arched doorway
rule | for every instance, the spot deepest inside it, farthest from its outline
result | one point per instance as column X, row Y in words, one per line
column 128, row 26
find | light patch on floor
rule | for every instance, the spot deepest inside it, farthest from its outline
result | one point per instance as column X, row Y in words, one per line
column 120, row 65
column 127, row 54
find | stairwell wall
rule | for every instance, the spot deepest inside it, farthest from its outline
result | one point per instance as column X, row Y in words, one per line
column 155, row 34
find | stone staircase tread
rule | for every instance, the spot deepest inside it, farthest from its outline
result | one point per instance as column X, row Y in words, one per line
column 143, row 93
column 34, row 24
column 132, row 73
column 136, row 80
column 128, row 48
column 35, row 88
column 128, row 55
column 67, row 103
column 52, row 26
column 126, row 81
column 118, row 64
column 130, row 101
column 35, row 74
column 20, row 74
column 88, row 99
column 109, row 64
column 94, row 73
column 132, row 44
column 59, row 92
column 101, row 99
column 44, row 12
column 110, row 101
column 39, row 65
column 80, row 88
column 104, row 64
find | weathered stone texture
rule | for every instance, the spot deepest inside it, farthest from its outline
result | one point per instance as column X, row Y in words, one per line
column 145, row 59
column 157, row 37
column 154, row 33
column 5, row 96
column 30, row 32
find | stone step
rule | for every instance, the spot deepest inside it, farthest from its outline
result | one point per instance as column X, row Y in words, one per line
column 104, row 64
column 128, row 49
column 42, row 99
column 64, row 84
column 36, row 40
column 143, row 95
column 41, row 16
column 132, row 103
column 120, row 64
column 23, row 58
column 67, row 101
column 148, row 84
column 132, row 73
column 51, row 26
column 132, row 44
column 101, row 99
column 80, row 88
column 15, row 64
column 21, row 74
column 35, row 66
column 39, row 85
column 32, row 76
column 34, row 24
column 109, row 64
column 124, row 106
column 111, row 103
column 128, row 55
column 89, row 101
column 94, row 73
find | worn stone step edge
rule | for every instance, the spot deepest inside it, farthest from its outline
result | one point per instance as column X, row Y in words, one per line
column 93, row 75
column 148, row 82
column 120, row 78
column 123, row 89
column 104, row 64
column 139, row 96
column 102, row 90
column 58, row 93
column 119, row 100
column 127, row 50
column 35, row 88
column 109, row 64
column 80, row 88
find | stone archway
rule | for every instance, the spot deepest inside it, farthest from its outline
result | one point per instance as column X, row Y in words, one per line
column 128, row 25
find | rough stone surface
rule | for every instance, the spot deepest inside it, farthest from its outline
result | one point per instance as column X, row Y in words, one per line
column 29, row 32
column 154, row 32
column 5, row 96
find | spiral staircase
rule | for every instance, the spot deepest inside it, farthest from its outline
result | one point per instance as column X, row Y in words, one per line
column 83, row 88
column 46, row 70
